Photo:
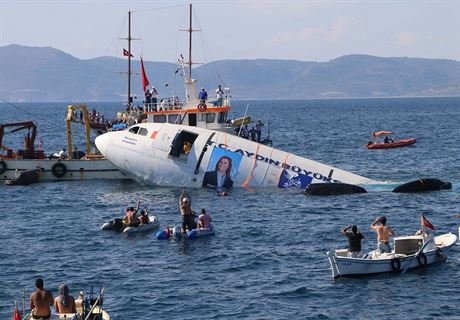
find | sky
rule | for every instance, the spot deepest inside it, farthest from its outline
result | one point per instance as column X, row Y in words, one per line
column 276, row 29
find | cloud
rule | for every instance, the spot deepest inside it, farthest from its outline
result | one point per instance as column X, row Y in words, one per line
column 334, row 33
column 404, row 38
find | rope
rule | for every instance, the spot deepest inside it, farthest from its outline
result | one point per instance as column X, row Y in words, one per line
column 254, row 164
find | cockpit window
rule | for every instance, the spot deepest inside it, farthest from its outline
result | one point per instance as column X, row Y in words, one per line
column 134, row 130
column 143, row 132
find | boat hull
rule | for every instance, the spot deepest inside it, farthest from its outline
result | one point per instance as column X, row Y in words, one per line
column 74, row 169
column 389, row 145
column 345, row 266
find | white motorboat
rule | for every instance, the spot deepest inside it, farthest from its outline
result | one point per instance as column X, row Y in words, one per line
column 409, row 252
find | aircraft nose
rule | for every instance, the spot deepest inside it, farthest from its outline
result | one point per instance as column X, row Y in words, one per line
column 102, row 143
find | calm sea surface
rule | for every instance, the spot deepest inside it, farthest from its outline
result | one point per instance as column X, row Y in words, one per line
column 268, row 257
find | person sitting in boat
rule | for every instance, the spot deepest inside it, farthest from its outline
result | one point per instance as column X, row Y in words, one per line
column 40, row 301
column 204, row 220
column 253, row 134
column 130, row 218
column 144, row 217
column 203, row 96
column 383, row 234
column 354, row 241
column 64, row 303
column 188, row 218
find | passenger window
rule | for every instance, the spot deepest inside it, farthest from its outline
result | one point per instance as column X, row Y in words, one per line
column 172, row 118
column 159, row 118
column 134, row 130
column 210, row 117
column 143, row 132
column 202, row 117
column 182, row 144
column 222, row 117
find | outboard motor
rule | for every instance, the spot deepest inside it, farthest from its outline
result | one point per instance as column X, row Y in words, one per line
column 425, row 184
column 329, row 189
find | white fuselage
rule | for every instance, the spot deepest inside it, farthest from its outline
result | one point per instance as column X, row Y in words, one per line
column 152, row 153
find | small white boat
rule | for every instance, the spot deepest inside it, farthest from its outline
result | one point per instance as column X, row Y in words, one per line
column 409, row 252
column 154, row 223
column 117, row 225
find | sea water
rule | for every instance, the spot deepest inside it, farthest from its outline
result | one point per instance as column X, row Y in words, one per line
column 268, row 257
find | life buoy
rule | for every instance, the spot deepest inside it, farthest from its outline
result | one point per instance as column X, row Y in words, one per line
column 59, row 170
column 202, row 107
column 421, row 259
column 395, row 264
column 2, row 167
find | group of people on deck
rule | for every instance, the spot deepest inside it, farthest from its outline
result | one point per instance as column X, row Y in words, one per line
column 151, row 99
column 254, row 134
column 41, row 301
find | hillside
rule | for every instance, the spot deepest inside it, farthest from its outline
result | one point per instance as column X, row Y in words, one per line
column 33, row 74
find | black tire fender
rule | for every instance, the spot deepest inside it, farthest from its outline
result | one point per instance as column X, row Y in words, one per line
column 59, row 170
column 395, row 264
column 2, row 167
column 421, row 259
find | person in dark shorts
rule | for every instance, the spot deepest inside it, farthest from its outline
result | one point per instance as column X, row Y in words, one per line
column 354, row 241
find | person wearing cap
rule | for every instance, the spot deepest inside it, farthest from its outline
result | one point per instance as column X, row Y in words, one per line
column 64, row 302
column 188, row 218
column 203, row 96
column 154, row 94
column 40, row 301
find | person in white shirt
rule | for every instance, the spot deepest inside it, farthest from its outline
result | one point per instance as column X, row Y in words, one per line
column 220, row 96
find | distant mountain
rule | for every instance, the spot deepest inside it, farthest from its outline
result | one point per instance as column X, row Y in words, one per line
column 46, row 74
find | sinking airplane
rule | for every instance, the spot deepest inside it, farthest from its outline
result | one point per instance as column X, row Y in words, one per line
column 176, row 155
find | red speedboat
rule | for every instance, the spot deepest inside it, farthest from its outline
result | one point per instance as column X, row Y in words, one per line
column 387, row 142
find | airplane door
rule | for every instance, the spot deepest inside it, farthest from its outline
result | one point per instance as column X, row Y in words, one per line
column 192, row 119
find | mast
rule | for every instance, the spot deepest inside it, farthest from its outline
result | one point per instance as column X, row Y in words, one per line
column 190, row 30
column 129, row 60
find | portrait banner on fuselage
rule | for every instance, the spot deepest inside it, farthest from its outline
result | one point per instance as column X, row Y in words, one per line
column 293, row 179
column 222, row 168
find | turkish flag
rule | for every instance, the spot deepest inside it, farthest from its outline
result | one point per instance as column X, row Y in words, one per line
column 127, row 53
column 16, row 314
column 425, row 223
column 145, row 81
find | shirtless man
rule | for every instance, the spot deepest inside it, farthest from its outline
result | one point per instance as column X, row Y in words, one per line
column 40, row 301
column 188, row 218
column 64, row 303
column 383, row 234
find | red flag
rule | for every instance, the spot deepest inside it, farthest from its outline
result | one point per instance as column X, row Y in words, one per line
column 126, row 53
column 145, row 81
column 16, row 314
column 425, row 223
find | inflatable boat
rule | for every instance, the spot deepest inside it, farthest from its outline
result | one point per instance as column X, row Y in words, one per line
column 117, row 225
column 176, row 232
